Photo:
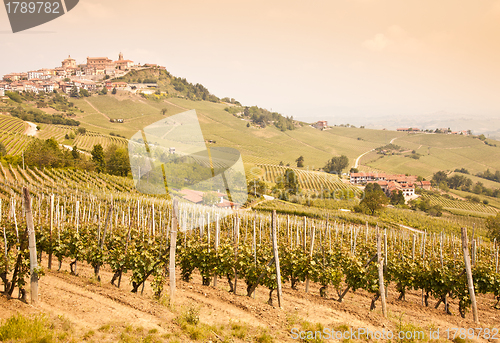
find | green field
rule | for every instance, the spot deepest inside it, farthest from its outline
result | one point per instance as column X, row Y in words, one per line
column 438, row 152
column 461, row 206
column 257, row 145
column 308, row 180
column 271, row 146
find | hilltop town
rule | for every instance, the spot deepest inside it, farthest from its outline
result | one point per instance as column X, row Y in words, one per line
column 96, row 73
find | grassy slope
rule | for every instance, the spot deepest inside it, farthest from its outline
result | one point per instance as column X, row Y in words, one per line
column 439, row 152
column 270, row 145
column 257, row 145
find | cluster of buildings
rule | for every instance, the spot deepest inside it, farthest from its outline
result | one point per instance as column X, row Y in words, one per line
column 390, row 183
column 88, row 76
column 441, row 130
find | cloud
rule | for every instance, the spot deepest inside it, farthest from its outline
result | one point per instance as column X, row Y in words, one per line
column 394, row 37
column 377, row 43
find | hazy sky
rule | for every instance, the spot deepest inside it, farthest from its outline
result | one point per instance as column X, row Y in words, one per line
column 337, row 59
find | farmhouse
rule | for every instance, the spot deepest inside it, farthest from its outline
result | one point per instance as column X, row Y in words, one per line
column 388, row 187
column 197, row 198
column 321, row 125
column 390, row 183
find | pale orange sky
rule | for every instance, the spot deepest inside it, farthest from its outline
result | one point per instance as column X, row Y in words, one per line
column 319, row 59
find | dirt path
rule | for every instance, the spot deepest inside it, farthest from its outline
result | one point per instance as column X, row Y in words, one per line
column 69, row 147
column 105, row 116
column 356, row 163
column 31, row 130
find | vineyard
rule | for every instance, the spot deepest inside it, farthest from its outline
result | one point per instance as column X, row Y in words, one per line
column 132, row 234
column 309, row 180
column 460, row 206
column 57, row 132
column 12, row 124
column 88, row 140
column 14, row 143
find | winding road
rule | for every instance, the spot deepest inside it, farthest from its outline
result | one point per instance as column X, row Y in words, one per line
column 356, row 163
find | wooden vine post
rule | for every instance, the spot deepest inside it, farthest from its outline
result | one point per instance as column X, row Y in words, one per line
column 3, row 273
column 310, row 255
column 51, row 228
column 381, row 274
column 470, row 282
column 173, row 245
column 32, row 246
column 216, row 241
column 277, row 260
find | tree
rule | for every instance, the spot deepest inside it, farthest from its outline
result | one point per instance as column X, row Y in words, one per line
column 291, row 182
column 46, row 153
column 98, row 158
column 84, row 93
column 439, row 177
column 164, row 110
column 117, row 161
column 374, row 199
column 74, row 92
column 300, row 162
column 104, row 91
column 397, row 198
column 257, row 187
column 336, row 165
column 113, row 91
column 81, row 131
column 493, row 226
column 354, row 170
column 75, row 153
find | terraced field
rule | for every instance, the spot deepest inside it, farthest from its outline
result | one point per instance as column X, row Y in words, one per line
column 88, row 140
column 60, row 181
column 12, row 124
column 460, row 206
column 54, row 131
column 310, row 180
column 14, row 142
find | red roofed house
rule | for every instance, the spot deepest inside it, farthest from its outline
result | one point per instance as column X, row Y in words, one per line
column 322, row 124
column 197, row 198
column 424, row 185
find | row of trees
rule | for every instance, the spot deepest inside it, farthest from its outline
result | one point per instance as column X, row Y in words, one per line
column 462, row 182
column 48, row 154
column 262, row 117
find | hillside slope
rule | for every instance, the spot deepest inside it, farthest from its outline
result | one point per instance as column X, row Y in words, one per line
column 85, row 309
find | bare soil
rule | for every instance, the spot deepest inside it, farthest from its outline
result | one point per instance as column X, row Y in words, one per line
column 89, row 304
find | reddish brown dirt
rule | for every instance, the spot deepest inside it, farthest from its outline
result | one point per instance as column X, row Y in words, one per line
column 89, row 304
